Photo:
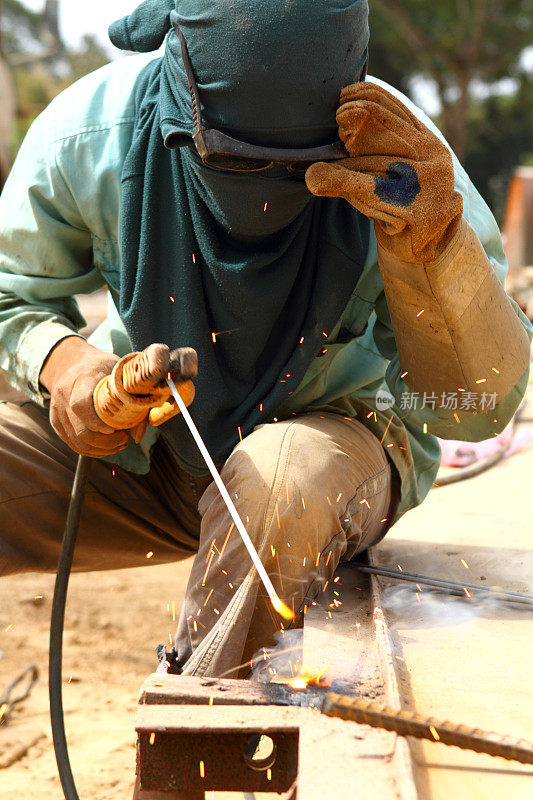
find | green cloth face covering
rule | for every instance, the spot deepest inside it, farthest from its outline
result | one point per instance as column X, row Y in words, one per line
column 253, row 258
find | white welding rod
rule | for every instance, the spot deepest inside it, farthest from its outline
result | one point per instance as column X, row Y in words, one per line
column 282, row 609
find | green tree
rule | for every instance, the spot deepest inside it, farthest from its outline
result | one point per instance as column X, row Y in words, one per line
column 35, row 66
column 453, row 43
column 20, row 28
column 89, row 56
column 501, row 129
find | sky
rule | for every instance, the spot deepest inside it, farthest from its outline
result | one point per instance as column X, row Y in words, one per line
column 77, row 18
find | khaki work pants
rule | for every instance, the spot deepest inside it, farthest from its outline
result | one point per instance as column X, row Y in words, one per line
column 312, row 491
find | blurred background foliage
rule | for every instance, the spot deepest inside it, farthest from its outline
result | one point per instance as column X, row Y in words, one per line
column 468, row 55
column 473, row 56
column 39, row 63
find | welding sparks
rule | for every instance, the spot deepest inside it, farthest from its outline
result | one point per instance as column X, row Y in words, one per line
column 404, row 374
column 434, row 733
column 265, row 207
column 420, row 312
column 465, row 565
column 193, row 258
column 278, row 604
column 172, row 299
column 152, row 737
column 482, row 380
column 386, row 429
column 202, row 769
column 497, row 371
column 214, row 334
column 210, row 558
column 149, row 554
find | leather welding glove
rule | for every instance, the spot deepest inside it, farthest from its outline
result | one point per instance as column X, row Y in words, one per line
column 454, row 326
column 73, row 371
column 399, row 174
column 136, row 393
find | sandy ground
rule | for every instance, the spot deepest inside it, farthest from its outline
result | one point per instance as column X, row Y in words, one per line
column 474, row 668
column 114, row 621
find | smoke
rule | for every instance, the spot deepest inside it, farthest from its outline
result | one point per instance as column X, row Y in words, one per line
column 336, row 661
column 283, row 661
column 409, row 607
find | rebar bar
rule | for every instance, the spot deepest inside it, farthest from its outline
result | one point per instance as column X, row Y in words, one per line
column 409, row 723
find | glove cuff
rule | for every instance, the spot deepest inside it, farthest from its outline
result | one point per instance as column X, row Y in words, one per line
column 455, row 327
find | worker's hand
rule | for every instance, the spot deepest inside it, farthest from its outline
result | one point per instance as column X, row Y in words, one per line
column 399, row 174
column 136, row 393
column 71, row 373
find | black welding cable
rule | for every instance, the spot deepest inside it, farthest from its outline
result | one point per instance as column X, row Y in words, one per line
column 56, row 628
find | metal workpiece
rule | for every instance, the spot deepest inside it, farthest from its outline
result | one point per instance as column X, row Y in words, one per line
column 165, row 689
column 202, row 747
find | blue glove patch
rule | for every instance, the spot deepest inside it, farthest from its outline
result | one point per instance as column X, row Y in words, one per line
column 400, row 185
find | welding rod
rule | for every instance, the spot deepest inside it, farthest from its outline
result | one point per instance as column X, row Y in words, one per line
column 408, row 723
column 282, row 609
column 440, row 583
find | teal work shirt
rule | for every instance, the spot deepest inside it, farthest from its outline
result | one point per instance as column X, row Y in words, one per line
column 59, row 237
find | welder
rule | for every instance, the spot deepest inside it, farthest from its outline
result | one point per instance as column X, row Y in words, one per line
column 306, row 241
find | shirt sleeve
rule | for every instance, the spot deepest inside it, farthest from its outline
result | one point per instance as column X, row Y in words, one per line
column 45, row 259
column 465, row 416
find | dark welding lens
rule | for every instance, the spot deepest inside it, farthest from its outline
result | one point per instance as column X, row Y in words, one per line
column 236, row 163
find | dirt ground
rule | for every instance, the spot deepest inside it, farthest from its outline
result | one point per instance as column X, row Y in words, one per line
column 114, row 621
